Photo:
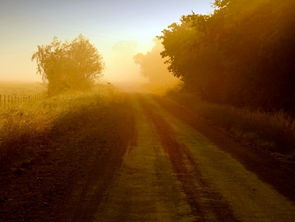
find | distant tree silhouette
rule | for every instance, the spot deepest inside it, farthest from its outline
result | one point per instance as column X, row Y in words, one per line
column 154, row 68
column 242, row 54
column 71, row 65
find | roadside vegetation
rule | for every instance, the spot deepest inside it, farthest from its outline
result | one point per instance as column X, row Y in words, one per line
column 240, row 55
column 48, row 147
column 28, row 121
column 271, row 131
column 68, row 142
column 237, row 70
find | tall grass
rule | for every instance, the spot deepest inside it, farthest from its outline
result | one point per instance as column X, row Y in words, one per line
column 30, row 121
column 30, row 118
column 272, row 131
column 36, row 116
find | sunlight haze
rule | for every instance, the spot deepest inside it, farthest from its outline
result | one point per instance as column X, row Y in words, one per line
column 147, row 110
column 26, row 24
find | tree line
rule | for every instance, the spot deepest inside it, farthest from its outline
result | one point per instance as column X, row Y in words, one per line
column 242, row 54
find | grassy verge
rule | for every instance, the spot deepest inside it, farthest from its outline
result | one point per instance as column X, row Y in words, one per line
column 54, row 150
column 274, row 132
column 29, row 121
column 33, row 121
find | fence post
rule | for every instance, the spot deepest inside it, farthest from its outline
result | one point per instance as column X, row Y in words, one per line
column 10, row 100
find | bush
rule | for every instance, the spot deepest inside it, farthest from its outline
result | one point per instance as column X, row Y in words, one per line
column 272, row 131
column 68, row 66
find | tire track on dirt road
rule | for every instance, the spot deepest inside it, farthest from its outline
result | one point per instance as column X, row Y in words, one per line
column 146, row 188
column 159, row 183
column 206, row 204
column 173, row 173
column 279, row 173
column 250, row 198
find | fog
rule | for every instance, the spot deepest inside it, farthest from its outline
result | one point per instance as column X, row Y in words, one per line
column 120, row 67
column 107, row 24
column 153, row 67
column 125, row 66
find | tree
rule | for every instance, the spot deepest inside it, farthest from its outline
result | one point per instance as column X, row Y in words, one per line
column 67, row 66
column 242, row 54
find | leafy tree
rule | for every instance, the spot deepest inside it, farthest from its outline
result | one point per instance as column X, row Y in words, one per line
column 242, row 54
column 71, row 65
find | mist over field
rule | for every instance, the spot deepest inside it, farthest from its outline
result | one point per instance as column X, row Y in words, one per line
column 105, row 23
column 155, row 111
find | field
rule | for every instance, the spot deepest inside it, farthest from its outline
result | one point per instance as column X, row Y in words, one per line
column 33, row 118
column 44, row 142
column 14, row 93
column 20, row 88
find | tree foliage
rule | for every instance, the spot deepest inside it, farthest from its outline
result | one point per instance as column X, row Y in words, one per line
column 71, row 65
column 242, row 54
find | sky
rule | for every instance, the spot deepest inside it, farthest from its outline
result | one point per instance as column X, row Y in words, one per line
column 118, row 28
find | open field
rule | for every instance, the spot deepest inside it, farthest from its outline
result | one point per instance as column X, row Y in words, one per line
column 16, row 93
column 21, row 88
column 54, row 150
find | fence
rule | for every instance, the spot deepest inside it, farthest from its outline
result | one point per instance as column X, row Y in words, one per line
column 9, row 100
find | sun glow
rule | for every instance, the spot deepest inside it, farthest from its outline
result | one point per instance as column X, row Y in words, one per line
column 105, row 23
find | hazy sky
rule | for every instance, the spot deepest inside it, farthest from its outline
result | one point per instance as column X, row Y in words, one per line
column 118, row 28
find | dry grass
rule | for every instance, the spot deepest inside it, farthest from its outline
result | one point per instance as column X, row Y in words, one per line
column 55, row 149
column 30, row 118
column 274, row 132
column 29, row 121
column 38, row 116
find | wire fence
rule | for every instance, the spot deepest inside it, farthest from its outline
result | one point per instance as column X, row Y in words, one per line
column 10, row 100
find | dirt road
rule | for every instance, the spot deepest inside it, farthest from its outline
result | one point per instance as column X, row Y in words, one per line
column 141, row 160
column 173, row 173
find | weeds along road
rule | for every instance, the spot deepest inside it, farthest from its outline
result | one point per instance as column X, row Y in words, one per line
column 135, row 161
